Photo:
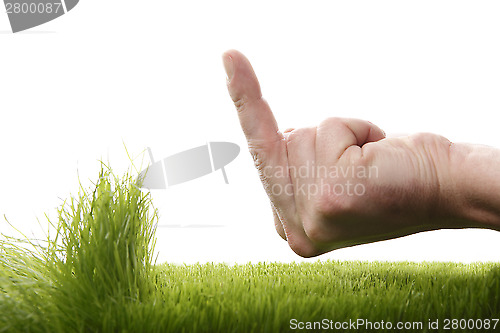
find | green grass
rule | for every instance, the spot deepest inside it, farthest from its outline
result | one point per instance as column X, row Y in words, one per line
column 96, row 273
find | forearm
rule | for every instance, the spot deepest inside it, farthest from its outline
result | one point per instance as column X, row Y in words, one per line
column 474, row 187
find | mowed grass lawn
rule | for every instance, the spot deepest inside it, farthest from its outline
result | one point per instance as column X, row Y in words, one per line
column 266, row 297
column 95, row 273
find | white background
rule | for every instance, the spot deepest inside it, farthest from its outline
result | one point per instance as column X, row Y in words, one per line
column 149, row 73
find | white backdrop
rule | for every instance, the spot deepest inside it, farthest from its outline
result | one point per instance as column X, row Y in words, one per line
column 149, row 73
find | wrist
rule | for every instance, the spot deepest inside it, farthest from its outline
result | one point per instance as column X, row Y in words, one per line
column 473, row 186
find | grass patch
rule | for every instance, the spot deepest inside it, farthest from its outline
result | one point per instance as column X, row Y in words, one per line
column 96, row 274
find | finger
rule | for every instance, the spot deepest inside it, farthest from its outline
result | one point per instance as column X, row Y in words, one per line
column 278, row 225
column 301, row 163
column 335, row 135
column 256, row 118
column 265, row 141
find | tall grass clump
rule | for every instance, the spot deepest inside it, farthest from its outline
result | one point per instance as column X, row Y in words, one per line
column 99, row 256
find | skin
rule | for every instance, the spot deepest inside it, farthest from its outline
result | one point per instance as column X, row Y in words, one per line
column 343, row 183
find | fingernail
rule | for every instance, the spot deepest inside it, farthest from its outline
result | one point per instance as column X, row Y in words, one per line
column 228, row 66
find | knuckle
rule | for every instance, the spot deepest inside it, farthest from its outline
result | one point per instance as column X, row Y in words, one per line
column 306, row 253
column 314, row 229
column 330, row 121
column 419, row 138
column 240, row 103
column 300, row 243
column 332, row 218
column 327, row 228
column 331, row 206
column 303, row 249
column 426, row 139
column 441, row 141
column 296, row 136
column 433, row 148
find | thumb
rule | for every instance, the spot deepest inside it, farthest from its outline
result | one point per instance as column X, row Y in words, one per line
column 256, row 118
column 266, row 143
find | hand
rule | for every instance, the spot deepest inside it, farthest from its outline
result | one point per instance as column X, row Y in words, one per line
column 343, row 182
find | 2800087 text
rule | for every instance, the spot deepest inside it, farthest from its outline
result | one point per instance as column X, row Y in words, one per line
column 469, row 324
column 33, row 8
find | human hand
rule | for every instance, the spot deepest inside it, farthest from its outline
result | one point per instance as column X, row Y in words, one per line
column 343, row 182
